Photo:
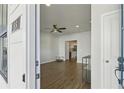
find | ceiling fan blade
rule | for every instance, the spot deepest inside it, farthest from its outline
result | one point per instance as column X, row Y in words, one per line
column 59, row 31
column 62, row 28
column 52, row 31
column 55, row 26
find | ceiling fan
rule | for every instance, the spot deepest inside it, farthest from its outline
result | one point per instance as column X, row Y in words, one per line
column 57, row 29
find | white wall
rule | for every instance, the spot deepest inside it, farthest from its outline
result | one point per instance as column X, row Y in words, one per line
column 49, row 47
column 97, row 11
column 83, row 44
column 52, row 46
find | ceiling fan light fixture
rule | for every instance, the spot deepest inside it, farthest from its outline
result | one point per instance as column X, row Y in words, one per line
column 77, row 26
column 54, row 30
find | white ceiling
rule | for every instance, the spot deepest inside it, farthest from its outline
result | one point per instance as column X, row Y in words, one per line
column 66, row 15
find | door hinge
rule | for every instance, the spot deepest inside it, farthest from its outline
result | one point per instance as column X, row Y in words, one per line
column 37, row 63
column 37, row 76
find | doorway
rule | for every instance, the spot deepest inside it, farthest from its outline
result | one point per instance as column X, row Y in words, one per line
column 65, row 38
column 60, row 82
column 71, row 51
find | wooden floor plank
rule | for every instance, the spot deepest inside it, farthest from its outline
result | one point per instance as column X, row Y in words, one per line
column 62, row 75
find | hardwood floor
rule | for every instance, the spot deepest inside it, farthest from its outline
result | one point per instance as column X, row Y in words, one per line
column 62, row 75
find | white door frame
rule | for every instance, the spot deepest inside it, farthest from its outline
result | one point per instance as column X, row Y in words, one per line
column 37, row 46
column 33, row 46
column 30, row 50
column 102, row 41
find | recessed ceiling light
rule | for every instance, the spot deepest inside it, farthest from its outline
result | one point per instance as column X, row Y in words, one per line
column 48, row 5
column 77, row 26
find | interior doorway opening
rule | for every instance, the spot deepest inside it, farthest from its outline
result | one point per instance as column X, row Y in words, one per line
column 65, row 35
column 71, row 51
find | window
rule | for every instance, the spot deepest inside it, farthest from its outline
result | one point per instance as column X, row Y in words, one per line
column 3, row 42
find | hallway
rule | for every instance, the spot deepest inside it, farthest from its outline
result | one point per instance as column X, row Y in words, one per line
column 62, row 75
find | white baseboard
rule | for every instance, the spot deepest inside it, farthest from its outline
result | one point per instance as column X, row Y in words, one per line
column 47, row 62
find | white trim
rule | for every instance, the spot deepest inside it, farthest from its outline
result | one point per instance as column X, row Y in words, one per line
column 30, row 46
column 102, row 43
column 37, row 44
column 48, row 62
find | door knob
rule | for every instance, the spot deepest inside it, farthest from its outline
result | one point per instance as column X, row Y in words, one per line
column 107, row 61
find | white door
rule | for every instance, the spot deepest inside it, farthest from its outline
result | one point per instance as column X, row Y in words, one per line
column 17, row 45
column 110, row 49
